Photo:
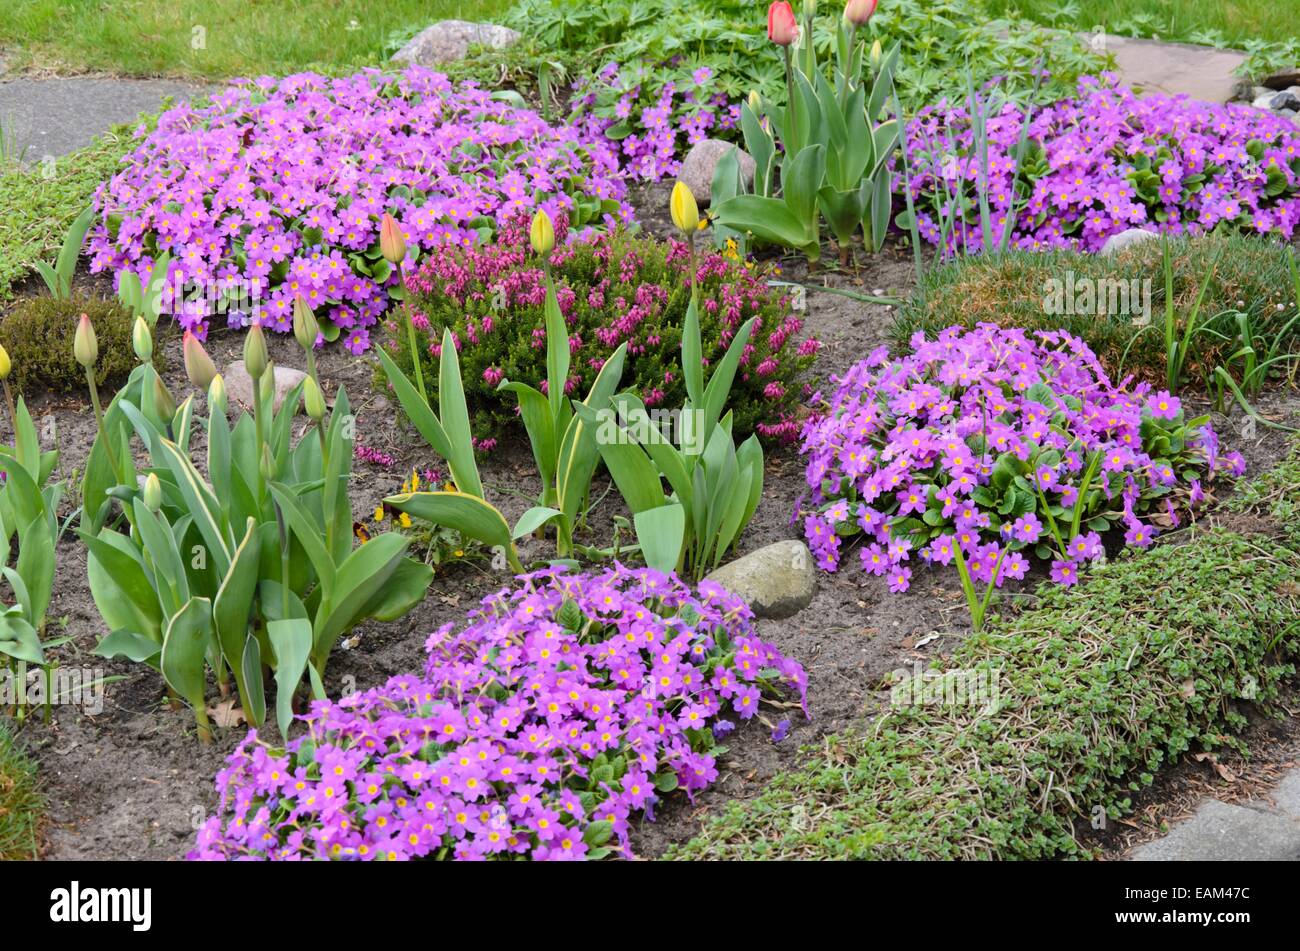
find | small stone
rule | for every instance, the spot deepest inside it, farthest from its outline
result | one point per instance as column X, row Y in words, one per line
column 239, row 385
column 1284, row 79
column 1265, row 101
column 778, row 580
column 701, row 162
column 450, row 40
column 1284, row 100
column 1126, row 239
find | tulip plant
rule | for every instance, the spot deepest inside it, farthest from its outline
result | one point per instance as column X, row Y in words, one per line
column 28, row 509
column 831, row 138
column 250, row 571
column 563, row 445
column 713, row 486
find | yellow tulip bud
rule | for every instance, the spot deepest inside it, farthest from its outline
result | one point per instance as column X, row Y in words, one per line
column 686, row 214
column 542, row 233
column 84, row 345
column 875, row 54
column 162, row 398
column 313, row 399
column 755, row 101
column 217, row 394
column 152, row 493
column 5, row 365
column 142, row 340
column 255, row 356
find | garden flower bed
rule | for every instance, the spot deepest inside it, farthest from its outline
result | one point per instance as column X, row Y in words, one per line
column 474, row 558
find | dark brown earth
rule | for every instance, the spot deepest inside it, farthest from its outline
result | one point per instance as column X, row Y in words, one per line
column 133, row 782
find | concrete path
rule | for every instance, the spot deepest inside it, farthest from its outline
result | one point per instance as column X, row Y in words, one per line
column 52, row 117
column 1219, row 832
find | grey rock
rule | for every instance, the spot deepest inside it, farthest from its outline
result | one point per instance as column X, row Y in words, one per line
column 1284, row 79
column 1218, row 832
column 1284, row 100
column 1126, row 239
column 239, row 385
column 450, row 40
column 1264, row 101
column 777, row 580
column 701, row 162
column 1287, row 795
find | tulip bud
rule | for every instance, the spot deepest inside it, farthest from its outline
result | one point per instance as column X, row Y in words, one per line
column 5, row 365
column 809, row 9
column 84, row 345
column 267, row 464
column 152, row 493
column 391, row 243
column 217, row 394
column 313, row 399
column 142, row 340
column 162, row 399
column 305, row 328
column 255, row 357
column 266, row 383
column 755, row 101
column 198, row 365
column 542, row 233
column 686, row 214
column 875, row 54
column 782, row 29
column 858, row 12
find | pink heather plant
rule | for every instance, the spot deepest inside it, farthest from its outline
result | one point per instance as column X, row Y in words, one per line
column 566, row 706
column 612, row 288
column 1103, row 163
column 653, row 114
column 1006, row 446
column 282, row 182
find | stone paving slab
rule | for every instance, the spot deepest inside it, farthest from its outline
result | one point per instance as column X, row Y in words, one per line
column 1219, row 832
column 52, row 117
column 1153, row 67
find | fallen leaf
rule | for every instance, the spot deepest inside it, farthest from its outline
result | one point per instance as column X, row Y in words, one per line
column 226, row 714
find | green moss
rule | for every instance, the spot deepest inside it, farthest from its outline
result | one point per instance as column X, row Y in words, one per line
column 1098, row 688
column 21, row 805
column 38, row 336
column 1011, row 290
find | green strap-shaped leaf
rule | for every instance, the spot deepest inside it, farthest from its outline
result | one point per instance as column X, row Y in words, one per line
column 159, row 547
column 578, row 452
column 134, row 647
column 535, row 518
column 693, row 354
column 184, row 652
column 557, row 351
column 232, row 609
column 467, row 514
column 454, row 416
column 719, row 388
column 308, row 534
column 252, row 693
column 540, row 425
column 119, row 585
column 359, row 578
column 404, row 590
column 292, row 640
column 661, row 533
column 18, row 639
column 416, row 409
column 201, row 504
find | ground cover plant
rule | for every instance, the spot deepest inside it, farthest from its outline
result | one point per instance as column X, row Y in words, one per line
column 612, row 289
column 217, row 189
column 38, row 334
column 566, row 705
column 990, row 448
column 1097, row 687
column 1097, row 165
column 39, row 201
column 21, row 805
column 1106, row 300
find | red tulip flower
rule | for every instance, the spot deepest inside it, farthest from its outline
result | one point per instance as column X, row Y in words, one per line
column 782, row 28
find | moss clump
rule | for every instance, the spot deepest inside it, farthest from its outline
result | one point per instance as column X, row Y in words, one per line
column 38, row 334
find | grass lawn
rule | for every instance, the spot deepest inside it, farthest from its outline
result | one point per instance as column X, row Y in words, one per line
column 239, row 37
column 1239, row 21
column 20, row 803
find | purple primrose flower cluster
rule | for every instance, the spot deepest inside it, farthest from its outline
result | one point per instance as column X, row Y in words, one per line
column 278, row 185
column 1000, row 447
column 1100, row 164
column 566, row 705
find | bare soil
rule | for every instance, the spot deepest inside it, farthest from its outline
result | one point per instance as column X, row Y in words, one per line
column 132, row 782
